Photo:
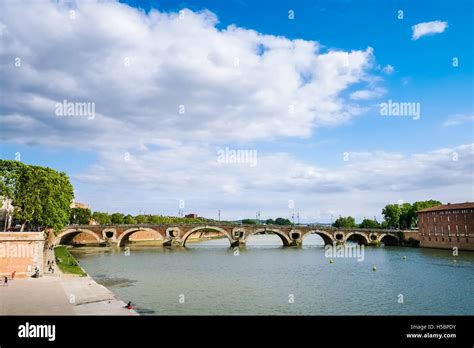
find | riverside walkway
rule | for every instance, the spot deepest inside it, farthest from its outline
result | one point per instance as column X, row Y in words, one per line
column 59, row 295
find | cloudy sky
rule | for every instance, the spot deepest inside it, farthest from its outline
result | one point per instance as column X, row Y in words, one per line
column 299, row 85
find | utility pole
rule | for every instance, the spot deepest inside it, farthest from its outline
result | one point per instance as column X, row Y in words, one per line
column 298, row 217
column 219, row 214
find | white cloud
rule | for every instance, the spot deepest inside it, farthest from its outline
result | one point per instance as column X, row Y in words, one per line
column 388, row 69
column 366, row 94
column 235, row 84
column 428, row 28
column 458, row 119
column 360, row 186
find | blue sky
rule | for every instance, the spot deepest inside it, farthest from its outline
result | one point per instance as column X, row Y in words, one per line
column 316, row 174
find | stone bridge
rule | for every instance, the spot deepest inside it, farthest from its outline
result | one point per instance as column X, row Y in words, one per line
column 177, row 235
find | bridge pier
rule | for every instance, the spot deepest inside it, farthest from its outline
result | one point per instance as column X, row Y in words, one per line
column 172, row 242
column 237, row 243
column 296, row 243
column 111, row 243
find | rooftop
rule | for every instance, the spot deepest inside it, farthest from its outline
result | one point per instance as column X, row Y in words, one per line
column 449, row 206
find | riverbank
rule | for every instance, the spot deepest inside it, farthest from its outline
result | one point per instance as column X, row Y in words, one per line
column 59, row 295
column 66, row 262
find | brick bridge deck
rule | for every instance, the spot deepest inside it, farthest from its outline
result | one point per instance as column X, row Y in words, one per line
column 177, row 235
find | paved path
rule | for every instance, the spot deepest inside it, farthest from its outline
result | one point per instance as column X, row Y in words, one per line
column 59, row 295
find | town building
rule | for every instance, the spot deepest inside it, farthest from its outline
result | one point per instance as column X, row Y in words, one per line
column 191, row 216
column 447, row 226
column 75, row 204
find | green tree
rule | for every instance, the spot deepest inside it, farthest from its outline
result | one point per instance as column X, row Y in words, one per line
column 270, row 222
column 420, row 205
column 142, row 219
column 130, row 220
column 158, row 219
column 406, row 216
column 101, row 218
column 345, row 222
column 282, row 221
column 41, row 196
column 117, row 218
column 80, row 216
column 391, row 214
column 10, row 173
column 368, row 223
column 249, row 222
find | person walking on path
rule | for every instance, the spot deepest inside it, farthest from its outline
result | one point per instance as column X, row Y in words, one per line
column 13, row 274
column 5, row 281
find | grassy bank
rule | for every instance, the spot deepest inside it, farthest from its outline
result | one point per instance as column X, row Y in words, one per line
column 66, row 262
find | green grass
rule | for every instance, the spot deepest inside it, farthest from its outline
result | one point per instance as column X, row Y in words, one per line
column 67, row 263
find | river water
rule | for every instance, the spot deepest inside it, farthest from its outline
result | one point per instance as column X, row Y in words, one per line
column 266, row 278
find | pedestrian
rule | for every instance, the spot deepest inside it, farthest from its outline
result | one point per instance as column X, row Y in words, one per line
column 5, row 281
column 13, row 274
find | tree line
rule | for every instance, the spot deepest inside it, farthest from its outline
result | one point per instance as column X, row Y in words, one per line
column 277, row 221
column 81, row 216
column 396, row 216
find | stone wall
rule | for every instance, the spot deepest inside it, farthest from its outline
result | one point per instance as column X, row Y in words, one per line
column 445, row 242
column 411, row 234
column 21, row 252
column 447, row 228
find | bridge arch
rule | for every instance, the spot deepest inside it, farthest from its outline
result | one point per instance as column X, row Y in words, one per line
column 283, row 236
column 361, row 238
column 388, row 239
column 326, row 236
column 69, row 234
column 185, row 237
column 125, row 235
